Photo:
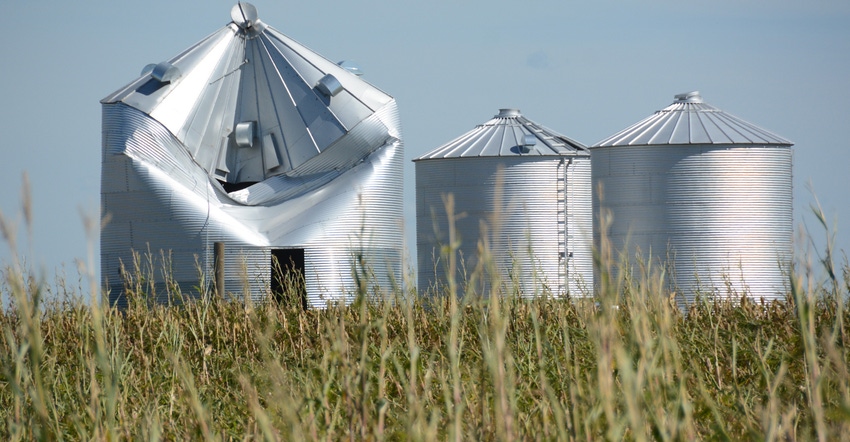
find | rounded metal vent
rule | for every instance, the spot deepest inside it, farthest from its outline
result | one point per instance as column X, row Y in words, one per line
column 244, row 134
column 165, row 72
column 689, row 97
column 147, row 69
column 507, row 113
column 351, row 66
column 244, row 15
column 329, row 85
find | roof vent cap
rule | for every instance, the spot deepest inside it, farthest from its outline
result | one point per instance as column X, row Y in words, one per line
column 244, row 15
column 244, row 134
column 508, row 113
column 165, row 72
column 689, row 97
column 528, row 143
column 351, row 66
column 329, row 85
column 147, row 69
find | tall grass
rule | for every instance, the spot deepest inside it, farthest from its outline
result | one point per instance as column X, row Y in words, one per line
column 627, row 364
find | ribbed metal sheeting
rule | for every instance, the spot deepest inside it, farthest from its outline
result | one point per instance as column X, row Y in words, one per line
column 689, row 120
column 318, row 148
column 716, row 212
column 153, row 217
column 259, row 77
column 156, row 205
column 579, row 233
column 529, row 203
column 508, row 134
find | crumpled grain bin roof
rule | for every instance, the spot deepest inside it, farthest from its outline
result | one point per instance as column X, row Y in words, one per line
column 691, row 121
column 508, row 133
column 249, row 102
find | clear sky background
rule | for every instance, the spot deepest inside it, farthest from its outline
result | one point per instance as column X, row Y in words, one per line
column 585, row 69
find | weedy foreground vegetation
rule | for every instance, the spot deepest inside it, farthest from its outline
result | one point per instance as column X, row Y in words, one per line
column 627, row 364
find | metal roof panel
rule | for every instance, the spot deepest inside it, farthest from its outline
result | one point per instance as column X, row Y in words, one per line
column 250, row 72
column 505, row 135
column 691, row 121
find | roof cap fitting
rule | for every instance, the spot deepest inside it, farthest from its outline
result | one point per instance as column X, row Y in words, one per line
column 689, row 97
column 244, row 15
column 165, row 72
column 329, row 85
column 507, row 113
column 351, row 66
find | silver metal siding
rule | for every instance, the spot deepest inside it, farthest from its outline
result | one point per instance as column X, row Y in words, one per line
column 579, row 204
column 370, row 225
column 329, row 168
column 518, row 199
column 159, row 200
column 719, row 216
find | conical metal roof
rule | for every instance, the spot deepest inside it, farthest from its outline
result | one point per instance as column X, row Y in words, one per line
column 690, row 121
column 508, row 134
column 249, row 102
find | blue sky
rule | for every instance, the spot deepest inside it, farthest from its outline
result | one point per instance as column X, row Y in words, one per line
column 585, row 69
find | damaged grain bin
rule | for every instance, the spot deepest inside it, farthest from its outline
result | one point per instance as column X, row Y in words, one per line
column 251, row 139
column 703, row 192
column 523, row 189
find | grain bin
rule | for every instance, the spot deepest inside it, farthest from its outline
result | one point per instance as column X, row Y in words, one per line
column 251, row 139
column 521, row 188
column 705, row 193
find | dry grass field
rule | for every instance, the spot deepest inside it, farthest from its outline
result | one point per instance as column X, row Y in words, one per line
column 626, row 364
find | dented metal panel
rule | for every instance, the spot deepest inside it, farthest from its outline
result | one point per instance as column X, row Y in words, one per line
column 253, row 74
column 323, row 173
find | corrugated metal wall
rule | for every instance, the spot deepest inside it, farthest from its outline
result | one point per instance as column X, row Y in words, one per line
column 719, row 216
column 153, row 210
column 157, row 199
column 580, row 227
column 521, row 202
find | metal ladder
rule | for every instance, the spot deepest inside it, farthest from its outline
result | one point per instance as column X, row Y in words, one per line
column 562, row 214
column 563, row 234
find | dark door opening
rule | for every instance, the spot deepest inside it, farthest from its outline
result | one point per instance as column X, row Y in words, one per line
column 287, row 278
